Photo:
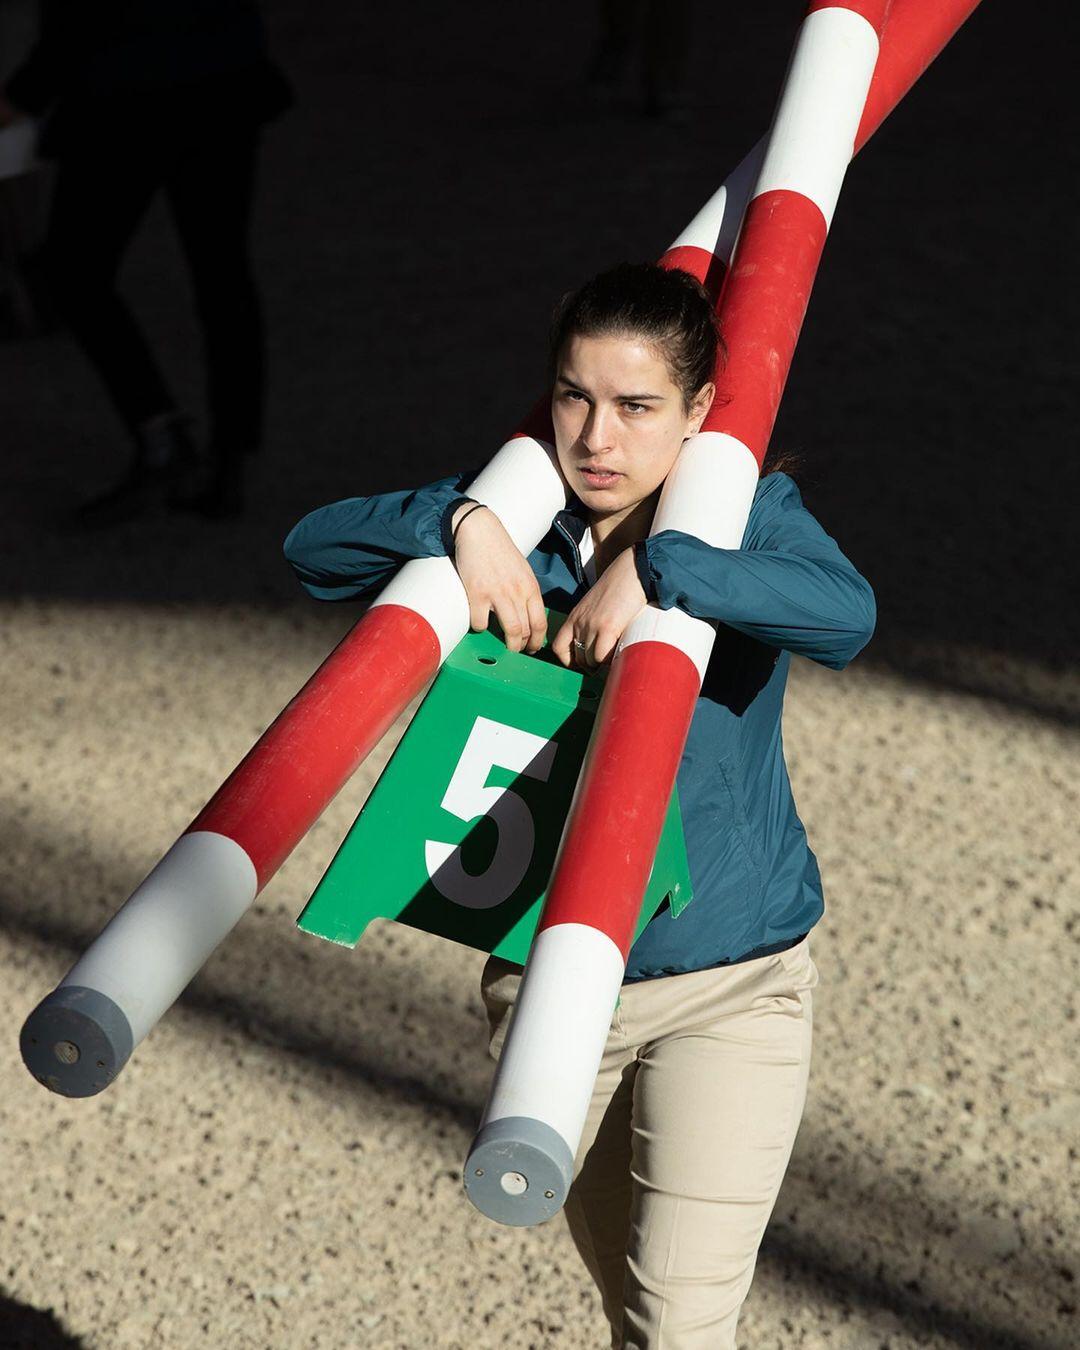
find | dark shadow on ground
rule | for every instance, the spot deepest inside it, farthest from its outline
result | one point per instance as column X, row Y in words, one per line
column 409, row 261
column 825, row 1277
column 26, row 1328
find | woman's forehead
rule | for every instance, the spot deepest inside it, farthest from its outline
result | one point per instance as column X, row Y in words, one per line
column 615, row 363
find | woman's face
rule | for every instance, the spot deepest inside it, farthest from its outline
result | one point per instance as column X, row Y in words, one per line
column 619, row 420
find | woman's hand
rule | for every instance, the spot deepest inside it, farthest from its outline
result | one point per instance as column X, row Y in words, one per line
column 594, row 626
column 497, row 576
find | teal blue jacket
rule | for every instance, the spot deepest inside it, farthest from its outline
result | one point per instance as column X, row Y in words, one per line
column 788, row 589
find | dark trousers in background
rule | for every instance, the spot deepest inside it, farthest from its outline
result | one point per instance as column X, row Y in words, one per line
column 100, row 199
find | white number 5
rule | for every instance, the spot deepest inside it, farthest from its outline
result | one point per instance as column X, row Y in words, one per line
column 467, row 796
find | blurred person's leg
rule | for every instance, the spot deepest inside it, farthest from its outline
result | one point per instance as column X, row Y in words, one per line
column 98, row 203
column 210, row 189
column 97, row 207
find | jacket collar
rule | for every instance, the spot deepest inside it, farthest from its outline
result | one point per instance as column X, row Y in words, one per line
column 570, row 527
column 573, row 517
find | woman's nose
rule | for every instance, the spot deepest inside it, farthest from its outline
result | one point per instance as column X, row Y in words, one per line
column 598, row 430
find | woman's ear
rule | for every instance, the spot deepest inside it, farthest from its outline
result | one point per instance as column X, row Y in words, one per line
column 699, row 408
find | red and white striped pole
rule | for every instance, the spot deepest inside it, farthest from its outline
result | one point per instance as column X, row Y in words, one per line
column 520, row 1166
column 80, row 1035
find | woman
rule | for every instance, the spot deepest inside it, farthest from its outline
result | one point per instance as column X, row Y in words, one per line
column 703, row 1079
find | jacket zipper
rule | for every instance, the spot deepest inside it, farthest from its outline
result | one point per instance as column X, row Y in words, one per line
column 579, row 570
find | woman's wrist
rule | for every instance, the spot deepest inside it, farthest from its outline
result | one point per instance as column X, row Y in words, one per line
column 450, row 514
column 463, row 509
column 458, row 518
column 462, row 514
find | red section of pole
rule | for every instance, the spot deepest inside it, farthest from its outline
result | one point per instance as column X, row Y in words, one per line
column 761, row 313
column 914, row 35
column 607, row 853
column 284, row 783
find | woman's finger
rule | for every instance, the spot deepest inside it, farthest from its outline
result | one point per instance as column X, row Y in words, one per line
column 537, row 620
column 560, row 643
column 581, row 650
column 603, row 646
column 511, row 621
column 479, row 612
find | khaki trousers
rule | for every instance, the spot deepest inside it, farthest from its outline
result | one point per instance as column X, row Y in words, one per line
column 695, row 1111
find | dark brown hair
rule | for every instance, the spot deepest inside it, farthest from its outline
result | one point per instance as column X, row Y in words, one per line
column 668, row 309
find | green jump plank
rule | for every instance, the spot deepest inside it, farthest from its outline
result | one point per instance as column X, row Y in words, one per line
column 458, row 836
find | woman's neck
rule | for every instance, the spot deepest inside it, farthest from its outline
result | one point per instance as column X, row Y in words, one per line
column 611, row 534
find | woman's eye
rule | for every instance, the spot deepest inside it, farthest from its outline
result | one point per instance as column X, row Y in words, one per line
column 573, row 396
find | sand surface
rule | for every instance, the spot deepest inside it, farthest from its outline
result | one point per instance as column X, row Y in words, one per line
column 279, row 1165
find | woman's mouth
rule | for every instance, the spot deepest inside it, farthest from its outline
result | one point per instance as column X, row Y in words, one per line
column 599, row 478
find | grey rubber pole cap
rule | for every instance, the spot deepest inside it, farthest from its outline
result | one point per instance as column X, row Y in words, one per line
column 76, row 1041
column 519, row 1171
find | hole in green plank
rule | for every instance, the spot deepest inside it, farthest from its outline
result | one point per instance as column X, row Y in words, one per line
column 487, row 660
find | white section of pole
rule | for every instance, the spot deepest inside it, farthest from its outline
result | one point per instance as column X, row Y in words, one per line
column 524, row 487
column 707, row 494
column 716, row 226
column 153, row 947
column 709, row 491
column 813, row 132
column 562, row 1014
column 521, row 1164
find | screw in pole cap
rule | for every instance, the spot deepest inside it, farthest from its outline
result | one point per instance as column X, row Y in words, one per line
column 519, row 1171
column 76, row 1041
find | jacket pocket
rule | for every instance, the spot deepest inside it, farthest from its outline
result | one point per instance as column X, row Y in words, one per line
column 733, row 817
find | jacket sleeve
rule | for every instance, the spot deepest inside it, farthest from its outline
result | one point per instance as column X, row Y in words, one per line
column 352, row 547
column 789, row 586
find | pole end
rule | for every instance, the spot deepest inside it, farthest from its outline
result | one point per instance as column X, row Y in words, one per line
column 519, row 1171
column 76, row 1041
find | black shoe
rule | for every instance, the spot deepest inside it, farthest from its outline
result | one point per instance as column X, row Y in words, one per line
column 139, row 494
column 164, row 466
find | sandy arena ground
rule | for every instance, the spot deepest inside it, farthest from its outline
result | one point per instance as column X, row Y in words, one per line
column 279, row 1165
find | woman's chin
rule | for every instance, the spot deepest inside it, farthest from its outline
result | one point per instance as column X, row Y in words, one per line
column 604, row 502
